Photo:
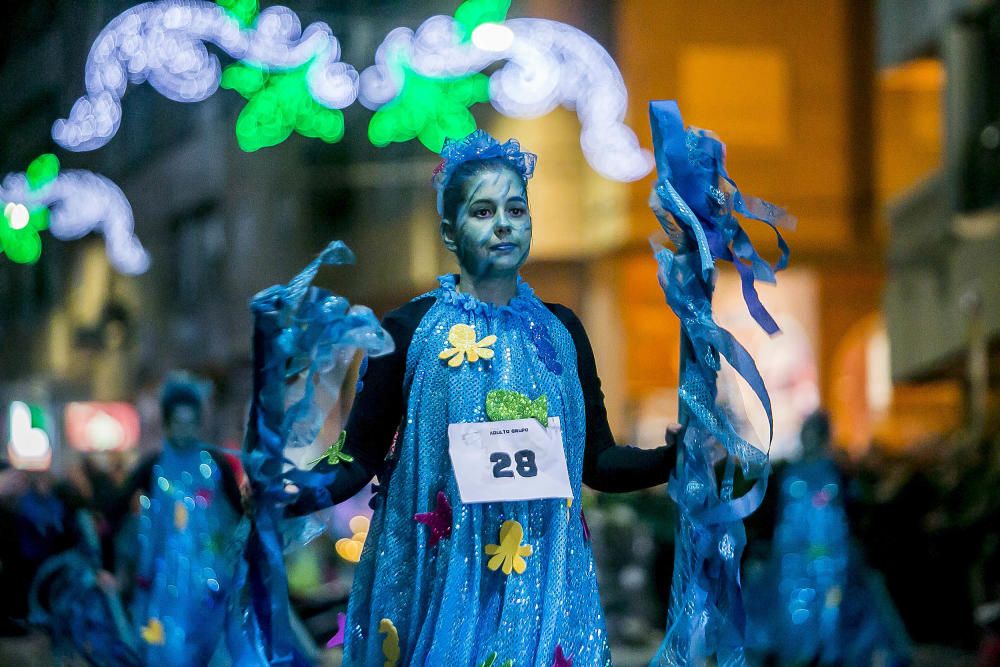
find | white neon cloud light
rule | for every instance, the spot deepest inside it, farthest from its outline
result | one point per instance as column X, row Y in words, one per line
column 82, row 202
column 548, row 64
column 28, row 447
column 164, row 43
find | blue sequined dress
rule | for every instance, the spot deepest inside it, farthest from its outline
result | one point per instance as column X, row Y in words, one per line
column 447, row 606
column 189, row 547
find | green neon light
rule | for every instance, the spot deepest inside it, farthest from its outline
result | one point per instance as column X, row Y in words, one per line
column 433, row 109
column 429, row 109
column 24, row 245
column 43, row 170
column 38, row 419
column 244, row 11
column 473, row 13
column 279, row 103
column 19, row 225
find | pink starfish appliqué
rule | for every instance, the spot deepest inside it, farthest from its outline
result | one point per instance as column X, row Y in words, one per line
column 338, row 638
column 560, row 660
column 438, row 521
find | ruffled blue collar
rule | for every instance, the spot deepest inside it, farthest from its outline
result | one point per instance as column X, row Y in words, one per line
column 520, row 302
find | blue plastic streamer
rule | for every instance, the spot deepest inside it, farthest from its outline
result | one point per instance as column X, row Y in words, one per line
column 696, row 203
column 83, row 617
column 304, row 340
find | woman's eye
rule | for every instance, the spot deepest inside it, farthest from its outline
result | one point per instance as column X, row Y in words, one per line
column 483, row 213
column 516, row 211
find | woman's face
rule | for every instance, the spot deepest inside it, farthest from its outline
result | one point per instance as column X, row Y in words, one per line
column 491, row 236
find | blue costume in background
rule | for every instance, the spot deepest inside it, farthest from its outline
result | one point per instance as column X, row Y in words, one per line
column 809, row 560
column 190, row 543
column 815, row 600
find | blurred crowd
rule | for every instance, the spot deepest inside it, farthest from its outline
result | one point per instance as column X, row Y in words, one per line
column 882, row 554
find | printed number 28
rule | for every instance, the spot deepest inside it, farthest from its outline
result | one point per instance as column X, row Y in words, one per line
column 525, row 464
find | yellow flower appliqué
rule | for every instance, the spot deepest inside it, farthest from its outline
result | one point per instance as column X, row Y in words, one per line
column 180, row 515
column 390, row 645
column 350, row 548
column 152, row 632
column 462, row 338
column 510, row 552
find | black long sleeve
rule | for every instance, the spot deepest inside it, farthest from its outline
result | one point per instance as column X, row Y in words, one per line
column 607, row 466
column 376, row 414
column 119, row 503
column 230, row 485
column 379, row 407
column 141, row 480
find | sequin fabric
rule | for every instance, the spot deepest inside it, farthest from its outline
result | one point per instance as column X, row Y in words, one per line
column 502, row 405
column 809, row 557
column 814, row 600
column 190, row 541
column 448, row 607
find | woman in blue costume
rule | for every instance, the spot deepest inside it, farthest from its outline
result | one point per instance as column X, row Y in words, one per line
column 442, row 582
column 190, row 540
column 817, row 602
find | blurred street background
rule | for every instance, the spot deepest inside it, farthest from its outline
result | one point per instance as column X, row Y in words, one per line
column 877, row 124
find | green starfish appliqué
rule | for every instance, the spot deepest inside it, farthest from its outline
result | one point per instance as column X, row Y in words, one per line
column 335, row 454
column 492, row 658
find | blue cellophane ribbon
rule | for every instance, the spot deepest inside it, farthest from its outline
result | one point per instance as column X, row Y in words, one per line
column 83, row 617
column 304, row 340
column 696, row 203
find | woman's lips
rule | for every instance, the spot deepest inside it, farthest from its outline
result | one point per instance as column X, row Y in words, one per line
column 503, row 247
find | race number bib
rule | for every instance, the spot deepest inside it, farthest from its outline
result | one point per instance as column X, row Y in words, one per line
column 509, row 460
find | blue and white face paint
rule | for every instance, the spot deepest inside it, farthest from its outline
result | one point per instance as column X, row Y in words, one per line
column 491, row 235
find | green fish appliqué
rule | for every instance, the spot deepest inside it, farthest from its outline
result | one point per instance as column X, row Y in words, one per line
column 504, row 405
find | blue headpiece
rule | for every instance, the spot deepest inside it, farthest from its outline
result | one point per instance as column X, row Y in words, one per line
column 478, row 146
column 181, row 389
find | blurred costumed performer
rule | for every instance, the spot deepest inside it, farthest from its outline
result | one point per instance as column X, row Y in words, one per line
column 817, row 601
column 190, row 539
column 482, row 426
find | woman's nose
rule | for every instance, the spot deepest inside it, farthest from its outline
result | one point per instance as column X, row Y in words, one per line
column 502, row 226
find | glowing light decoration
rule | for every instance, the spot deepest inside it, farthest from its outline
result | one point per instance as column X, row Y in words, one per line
column 19, row 230
column 70, row 204
column 19, row 240
column 547, row 64
column 492, row 37
column 421, row 86
column 164, row 43
column 472, row 14
column 244, row 11
column 101, row 427
column 28, row 446
column 429, row 109
column 278, row 104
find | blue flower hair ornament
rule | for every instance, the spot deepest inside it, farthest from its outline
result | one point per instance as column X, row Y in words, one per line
column 478, row 146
